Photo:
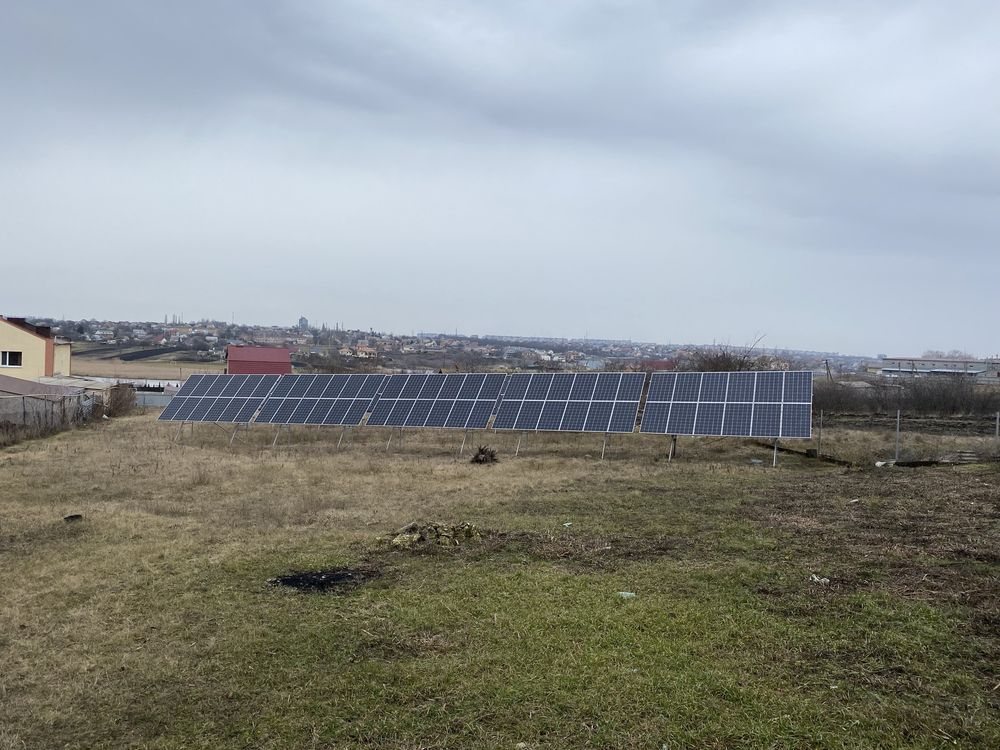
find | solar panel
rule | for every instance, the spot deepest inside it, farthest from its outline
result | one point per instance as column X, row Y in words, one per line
column 454, row 400
column 571, row 402
column 749, row 404
column 340, row 400
column 232, row 399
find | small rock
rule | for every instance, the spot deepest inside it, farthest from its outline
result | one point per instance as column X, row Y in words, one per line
column 73, row 517
column 756, row 462
column 854, row 501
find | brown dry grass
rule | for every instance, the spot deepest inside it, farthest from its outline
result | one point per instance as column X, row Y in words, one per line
column 152, row 369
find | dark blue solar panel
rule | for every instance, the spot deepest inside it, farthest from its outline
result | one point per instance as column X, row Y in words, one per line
column 766, row 420
column 189, row 385
column 517, row 386
column 232, row 385
column 411, row 389
column 713, row 386
column 319, row 384
column 319, row 411
column 421, row 410
column 439, row 414
column 796, row 421
column 352, row 388
column 247, row 411
column 599, row 416
column 268, row 410
column 266, row 385
column 552, row 414
column 681, row 420
column 284, row 385
column 171, row 408
column 631, row 386
column 575, row 417
column 432, row 386
column 400, row 410
column 688, row 386
column 769, row 386
column 607, row 386
column 452, row 385
column 356, row 412
column 284, row 411
column 709, row 419
column 583, row 386
column 214, row 413
column 561, row 386
column 623, row 416
column 300, row 415
column 798, row 387
column 460, row 414
column 506, row 415
column 249, row 385
column 538, row 388
column 654, row 418
column 217, row 386
column 737, row 419
column 741, row 386
column 661, row 386
column 480, row 416
column 335, row 386
column 206, row 382
column 187, row 406
column 492, row 387
column 300, row 385
column 527, row 418
column 338, row 411
column 197, row 414
column 371, row 385
column 473, row 384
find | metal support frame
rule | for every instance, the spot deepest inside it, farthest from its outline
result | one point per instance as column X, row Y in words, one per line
column 180, row 431
column 342, row 433
column 819, row 438
column 518, row 448
column 464, row 438
column 604, row 447
column 277, row 434
column 673, row 448
column 774, row 460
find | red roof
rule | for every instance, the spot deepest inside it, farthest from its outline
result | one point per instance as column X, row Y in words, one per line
column 258, row 354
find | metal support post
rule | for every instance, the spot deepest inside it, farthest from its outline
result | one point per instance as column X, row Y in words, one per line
column 819, row 440
column 464, row 438
column 673, row 448
column 518, row 448
column 774, row 460
column 387, row 442
column 342, row 433
column 605, row 446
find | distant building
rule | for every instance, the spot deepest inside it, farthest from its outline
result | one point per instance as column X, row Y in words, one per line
column 30, row 352
column 987, row 370
column 303, row 324
column 258, row 360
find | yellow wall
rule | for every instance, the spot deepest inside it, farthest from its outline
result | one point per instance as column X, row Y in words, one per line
column 61, row 364
column 32, row 350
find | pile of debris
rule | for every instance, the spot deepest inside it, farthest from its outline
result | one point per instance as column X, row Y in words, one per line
column 417, row 535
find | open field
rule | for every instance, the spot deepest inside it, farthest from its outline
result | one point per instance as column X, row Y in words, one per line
column 156, row 369
column 151, row 624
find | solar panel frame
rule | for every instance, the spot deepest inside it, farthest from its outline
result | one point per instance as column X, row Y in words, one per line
column 221, row 399
column 730, row 404
column 463, row 401
column 571, row 402
column 307, row 400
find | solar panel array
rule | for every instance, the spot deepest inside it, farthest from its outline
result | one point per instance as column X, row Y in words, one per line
column 737, row 404
column 219, row 398
column 747, row 404
column 321, row 399
column 571, row 402
column 457, row 401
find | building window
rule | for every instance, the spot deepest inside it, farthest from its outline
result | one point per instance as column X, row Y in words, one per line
column 10, row 359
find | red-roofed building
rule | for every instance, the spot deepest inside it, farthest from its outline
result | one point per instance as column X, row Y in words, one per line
column 258, row 360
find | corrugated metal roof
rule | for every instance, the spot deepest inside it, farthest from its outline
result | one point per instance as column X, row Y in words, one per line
column 258, row 354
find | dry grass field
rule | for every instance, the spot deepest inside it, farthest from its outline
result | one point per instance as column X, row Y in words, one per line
column 152, row 369
column 803, row 606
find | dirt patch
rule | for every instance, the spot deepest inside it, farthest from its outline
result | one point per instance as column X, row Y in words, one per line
column 417, row 535
column 334, row 580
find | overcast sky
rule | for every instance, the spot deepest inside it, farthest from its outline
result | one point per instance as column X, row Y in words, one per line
column 824, row 174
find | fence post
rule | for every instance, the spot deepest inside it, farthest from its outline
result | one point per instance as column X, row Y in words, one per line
column 898, row 413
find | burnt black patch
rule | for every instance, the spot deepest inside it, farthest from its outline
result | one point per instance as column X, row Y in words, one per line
column 334, row 580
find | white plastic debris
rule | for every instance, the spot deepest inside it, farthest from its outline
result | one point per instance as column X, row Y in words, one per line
column 568, row 524
column 816, row 579
column 626, row 594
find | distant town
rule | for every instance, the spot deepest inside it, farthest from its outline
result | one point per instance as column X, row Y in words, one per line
column 338, row 349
